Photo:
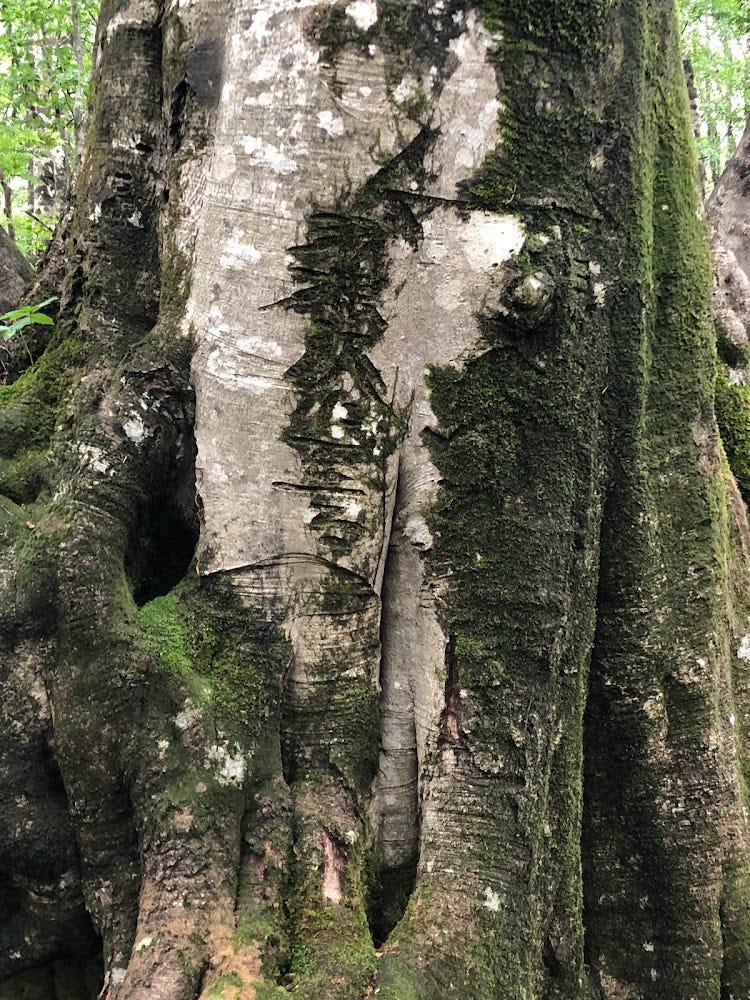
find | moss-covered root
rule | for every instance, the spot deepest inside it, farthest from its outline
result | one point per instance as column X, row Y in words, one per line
column 332, row 953
column 188, row 797
column 497, row 908
column 666, row 852
column 437, row 951
column 330, row 745
column 212, row 927
column 258, row 950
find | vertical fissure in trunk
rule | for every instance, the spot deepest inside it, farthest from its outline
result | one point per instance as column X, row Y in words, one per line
column 394, row 811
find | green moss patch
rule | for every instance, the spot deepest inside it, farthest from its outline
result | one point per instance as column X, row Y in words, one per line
column 733, row 416
column 569, row 27
column 223, row 653
column 30, row 409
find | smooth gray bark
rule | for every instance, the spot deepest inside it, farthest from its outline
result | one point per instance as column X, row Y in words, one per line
column 368, row 548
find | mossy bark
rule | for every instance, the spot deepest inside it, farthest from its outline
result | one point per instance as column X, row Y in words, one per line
column 374, row 585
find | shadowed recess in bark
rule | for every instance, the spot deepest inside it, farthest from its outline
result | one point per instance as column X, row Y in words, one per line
column 160, row 555
column 60, row 979
column 48, row 931
column 389, row 895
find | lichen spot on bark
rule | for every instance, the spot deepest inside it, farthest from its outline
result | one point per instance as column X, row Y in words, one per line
column 491, row 899
column 489, row 240
column 364, row 13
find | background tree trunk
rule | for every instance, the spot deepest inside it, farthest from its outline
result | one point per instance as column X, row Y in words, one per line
column 374, row 597
column 15, row 273
column 728, row 211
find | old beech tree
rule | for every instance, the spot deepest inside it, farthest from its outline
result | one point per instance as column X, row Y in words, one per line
column 373, row 583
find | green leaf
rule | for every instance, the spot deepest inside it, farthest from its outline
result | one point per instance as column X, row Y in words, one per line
column 16, row 319
column 14, row 314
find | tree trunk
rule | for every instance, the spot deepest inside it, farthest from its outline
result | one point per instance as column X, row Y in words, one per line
column 374, row 603
column 728, row 211
column 15, row 273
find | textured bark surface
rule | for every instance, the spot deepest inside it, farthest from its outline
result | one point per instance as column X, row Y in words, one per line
column 374, row 585
column 728, row 212
column 15, row 273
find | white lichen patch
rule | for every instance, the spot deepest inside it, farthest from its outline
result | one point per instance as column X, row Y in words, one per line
column 134, row 428
column 217, row 474
column 469, row 101
column 595, row 268
column 185, row 719
column 408, row 89
column 418, row 533
column 135, row 219
column 93, row 458
column 600, row 293
column 144, row 943
column 488, row 239
column 340, row 412
column 743, row 653
column 337, row 432
column 330, row 123
column 258, row 25
column 268, row 155
column 117, row 976
column 96, row 214
column 229, row 767
column 364, row 13
column 217, row 328
column 259, row 347
column 237, row 254
column 460, row 45
column 491, row 899
column 433, row 251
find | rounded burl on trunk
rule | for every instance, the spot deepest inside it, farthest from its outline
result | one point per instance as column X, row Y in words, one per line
column 374, row 607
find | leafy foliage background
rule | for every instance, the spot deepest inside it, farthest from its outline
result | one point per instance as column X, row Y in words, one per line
column 715, row 37
column 45, row 65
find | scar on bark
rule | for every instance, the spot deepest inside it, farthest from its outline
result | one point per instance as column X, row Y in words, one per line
column 334, row 863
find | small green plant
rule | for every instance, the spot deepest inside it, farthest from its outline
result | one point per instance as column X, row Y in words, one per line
column 15, row 320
